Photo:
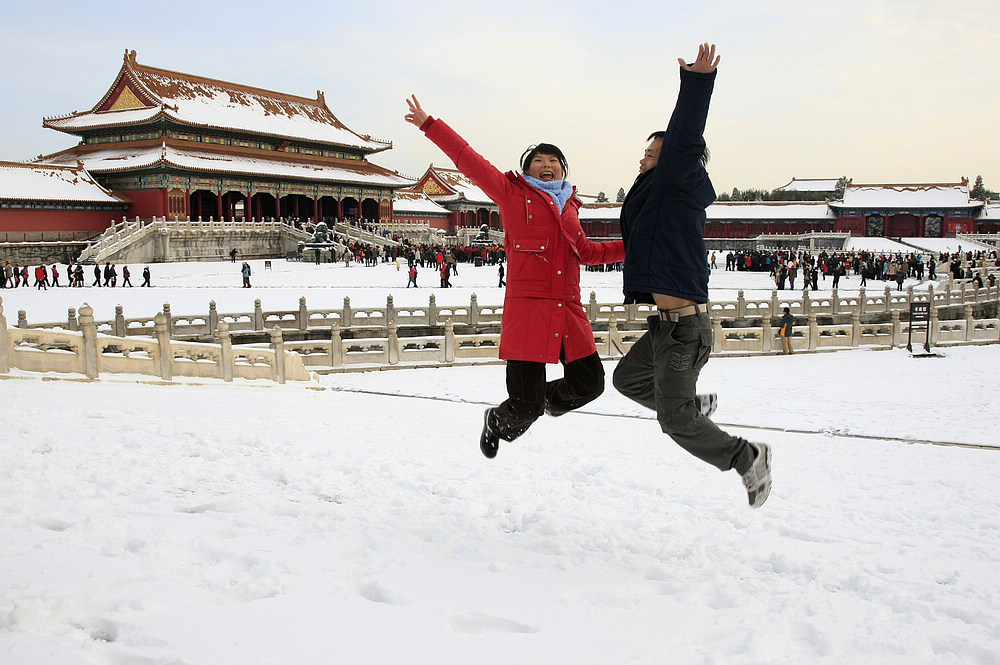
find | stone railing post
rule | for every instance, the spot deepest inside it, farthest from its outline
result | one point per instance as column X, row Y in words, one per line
column 855, row 329
column 716, row 335
column 766, row 335
column 213, row 317
column 390, row 311
column 933, row 326
column 392, row 347
column 89, row 330
column 861, row 300
column 278, row 345
column 258, row 315
column 970, row 324
column 930, row 294
column 813, row 332
column 741, row 305
column 835, row 301
column 909, row 294
column 592, row 307
column 336, row 347
column 303, row 322
column 775, row 305
column 897, row 329
column 347, row 317
column 71, row 322
column 806, row 302
column 888, row 299
column 226, row 355
column 22, row 319
column 474, row 310
column 166, row 354
column 120, row 322
column 432, row 311
column 449, row 341
column 169, row 319
column 614, row 338
column 4, row 343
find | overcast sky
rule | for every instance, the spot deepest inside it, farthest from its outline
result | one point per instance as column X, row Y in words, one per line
column 878, row 91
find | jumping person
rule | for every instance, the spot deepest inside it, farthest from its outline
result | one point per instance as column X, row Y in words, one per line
column 543, row 316
column 663, row 226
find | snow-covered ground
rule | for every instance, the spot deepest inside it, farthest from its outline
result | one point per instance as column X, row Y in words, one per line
column 353, row 520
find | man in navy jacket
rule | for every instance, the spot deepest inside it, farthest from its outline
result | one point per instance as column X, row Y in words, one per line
column 663, row 226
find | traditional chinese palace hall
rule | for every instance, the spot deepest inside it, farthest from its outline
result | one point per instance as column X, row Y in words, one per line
column 184, row 145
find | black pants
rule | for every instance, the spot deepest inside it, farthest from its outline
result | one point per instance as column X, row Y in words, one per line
column 530, row 395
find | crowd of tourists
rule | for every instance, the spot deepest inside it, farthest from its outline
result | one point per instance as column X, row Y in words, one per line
column 18, row 276
column 786, row 266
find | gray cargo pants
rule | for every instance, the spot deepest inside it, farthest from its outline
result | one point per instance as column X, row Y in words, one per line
column 660, row 372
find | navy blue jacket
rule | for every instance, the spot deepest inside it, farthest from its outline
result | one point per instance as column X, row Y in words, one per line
column 663, row 216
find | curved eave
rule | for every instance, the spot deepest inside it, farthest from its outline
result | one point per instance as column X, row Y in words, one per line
column 65, row 124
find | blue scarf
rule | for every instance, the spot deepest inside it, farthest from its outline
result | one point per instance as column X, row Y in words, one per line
column 559, row 190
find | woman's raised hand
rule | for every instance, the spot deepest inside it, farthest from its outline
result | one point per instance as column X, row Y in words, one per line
column 706, row 61
column 417, row 116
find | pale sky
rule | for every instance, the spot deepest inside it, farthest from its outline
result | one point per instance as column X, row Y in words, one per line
column 901, row 91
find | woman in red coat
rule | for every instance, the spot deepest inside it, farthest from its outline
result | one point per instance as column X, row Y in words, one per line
column 543, row 316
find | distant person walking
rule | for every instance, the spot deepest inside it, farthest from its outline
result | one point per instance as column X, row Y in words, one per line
column 145, row 277
column 785, row 331
column 245, row 270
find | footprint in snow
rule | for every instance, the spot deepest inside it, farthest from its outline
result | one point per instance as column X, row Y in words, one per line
column 486, row 623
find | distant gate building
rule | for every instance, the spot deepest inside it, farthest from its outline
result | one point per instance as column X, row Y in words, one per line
column 179, row 145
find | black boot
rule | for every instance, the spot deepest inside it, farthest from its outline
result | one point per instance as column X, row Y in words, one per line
column 489, row 440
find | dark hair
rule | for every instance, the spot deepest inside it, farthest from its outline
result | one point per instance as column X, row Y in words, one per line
column 705, row 156
column 544, row 149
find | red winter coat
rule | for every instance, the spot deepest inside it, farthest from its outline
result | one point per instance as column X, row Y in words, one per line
column 542, row 311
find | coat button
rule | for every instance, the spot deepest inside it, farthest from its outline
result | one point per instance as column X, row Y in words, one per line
column 529, row 200
column 543, row 246
column 517, row 246
column 557, row 334
column 559, row 304
column 558, row 272
column 530, row 216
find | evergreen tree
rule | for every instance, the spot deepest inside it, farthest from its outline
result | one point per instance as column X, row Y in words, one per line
column 621, row 195
column 978, row 190
column 735, row 196
column 602, row 197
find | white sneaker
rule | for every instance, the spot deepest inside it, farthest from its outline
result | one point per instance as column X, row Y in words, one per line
column 707, row 403
column 757, row 479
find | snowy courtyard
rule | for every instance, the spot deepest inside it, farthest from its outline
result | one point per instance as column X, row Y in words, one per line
column 352, row 519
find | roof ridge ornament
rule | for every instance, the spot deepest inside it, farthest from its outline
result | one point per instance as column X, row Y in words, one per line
column 130, row 56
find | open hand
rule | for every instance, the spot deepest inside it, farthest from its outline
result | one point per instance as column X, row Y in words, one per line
column 705, row 63
column 417, row 116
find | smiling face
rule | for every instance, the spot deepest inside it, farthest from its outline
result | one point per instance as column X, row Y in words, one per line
column 545, row 167
column 651, row 156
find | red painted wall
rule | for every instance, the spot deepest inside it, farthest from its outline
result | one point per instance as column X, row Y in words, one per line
column 14, row 221
column 146, row 203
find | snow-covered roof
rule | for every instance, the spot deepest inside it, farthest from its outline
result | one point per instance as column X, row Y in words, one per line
column 457, row 187
column 991, row 211
column 599, row 211
column 416, row 202
column 810, row 185
column 40, row 182
column 744, row 210
column 117, row 158
column 141, row 94
column 930, row 196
